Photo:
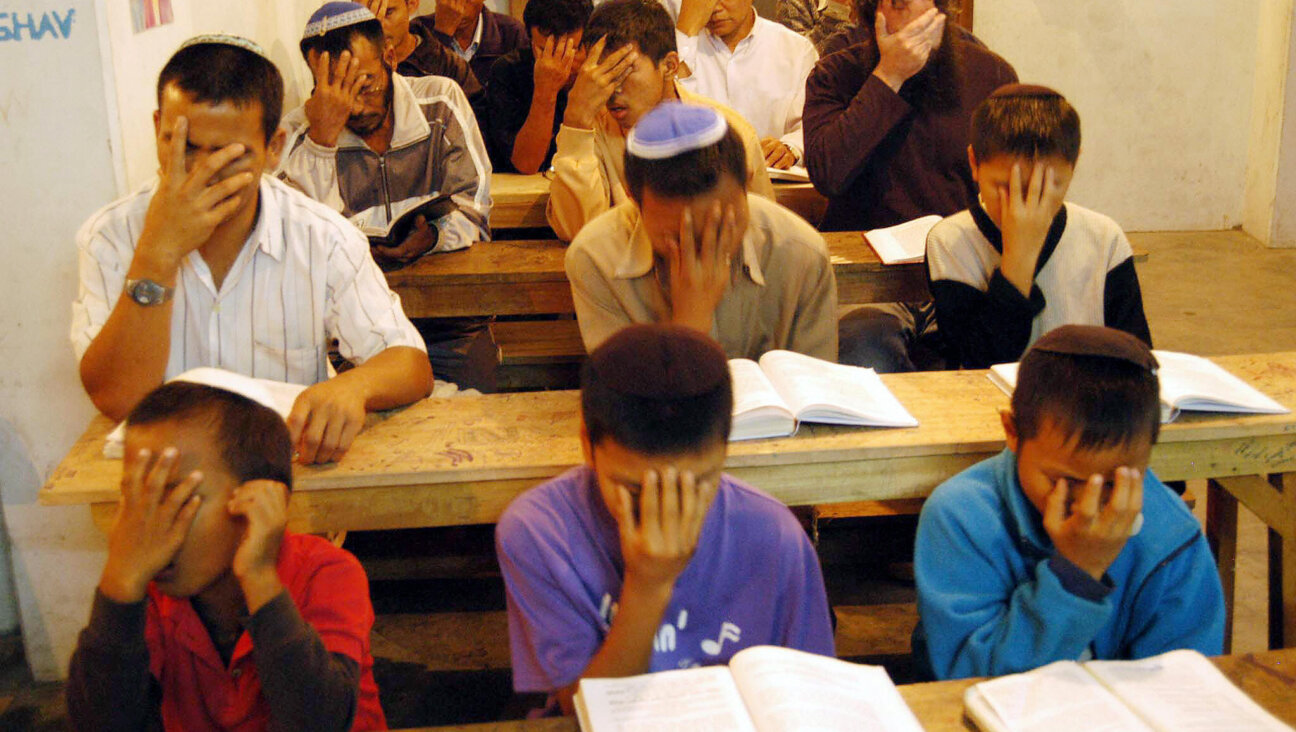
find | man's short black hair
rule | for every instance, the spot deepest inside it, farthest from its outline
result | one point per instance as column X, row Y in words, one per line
column 1037, row 125
column 340, row 39
column 557, row 17
column 643, row 22
column 657, row 390
column 213, row 73
column 688, row 174
column 1106, row 402
column 252, row 438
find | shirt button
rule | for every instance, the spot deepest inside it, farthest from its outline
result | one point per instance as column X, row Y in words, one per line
column 236, row 673
column 216, row 308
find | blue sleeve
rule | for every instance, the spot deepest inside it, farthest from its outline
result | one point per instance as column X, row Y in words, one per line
column 1180, row 606
column 984, row 610
column 804, row 617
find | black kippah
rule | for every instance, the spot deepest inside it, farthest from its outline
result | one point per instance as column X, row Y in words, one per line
column 1096, row 340
column 1024, row 90
column 660, row 362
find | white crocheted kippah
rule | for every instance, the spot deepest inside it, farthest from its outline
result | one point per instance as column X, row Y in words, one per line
column 226, row 39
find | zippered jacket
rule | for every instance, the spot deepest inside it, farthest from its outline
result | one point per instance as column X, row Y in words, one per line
column 436, row 149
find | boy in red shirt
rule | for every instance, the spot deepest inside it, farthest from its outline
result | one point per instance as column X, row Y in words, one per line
column 209, row 615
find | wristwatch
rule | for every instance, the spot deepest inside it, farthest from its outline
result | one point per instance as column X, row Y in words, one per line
column 148, row 292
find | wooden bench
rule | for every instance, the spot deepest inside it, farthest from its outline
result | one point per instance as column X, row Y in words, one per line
column 539, row 354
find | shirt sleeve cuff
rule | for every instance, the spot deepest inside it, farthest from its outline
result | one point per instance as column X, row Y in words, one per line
column 574, row 142
column 1007, row 294
column 277, row 623
column 118, row 624
column 318, row 150
column 1079, row 582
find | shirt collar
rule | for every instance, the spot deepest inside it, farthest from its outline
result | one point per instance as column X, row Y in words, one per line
column 637, row 258
column 471, row 50
column 269, row 238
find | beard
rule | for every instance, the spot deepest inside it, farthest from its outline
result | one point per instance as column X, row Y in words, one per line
column 364, row 125
column 936, row 87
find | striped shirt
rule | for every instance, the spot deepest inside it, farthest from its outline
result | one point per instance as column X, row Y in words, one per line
column 304, row 277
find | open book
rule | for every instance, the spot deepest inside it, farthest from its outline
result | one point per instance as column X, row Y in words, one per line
column 764, row 689
column 784, row 388
column 903, row 243
column 1188, row 382
column 274, row 394
column 393, row 233
column 1179, row 690
column 794, row 174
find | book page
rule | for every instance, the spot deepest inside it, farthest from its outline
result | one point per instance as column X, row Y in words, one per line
column 758, row 409
column 1004, row 376
column 690, row 700
column 789, row 690
column 794, row 174
column 1059, row 697
column 1195, row 383
column 830, row 393
column 903, row 243
column 1182, row 690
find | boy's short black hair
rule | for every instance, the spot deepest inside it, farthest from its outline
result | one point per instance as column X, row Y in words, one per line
column 1104, row 402
column 643, row 22
column 557, row 17
column 688, row 174
column 219, row 72
column 1027, row 122
column 253, row 438
column 340, row 39
column 657, row 390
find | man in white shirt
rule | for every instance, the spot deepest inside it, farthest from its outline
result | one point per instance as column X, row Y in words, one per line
column 216, row 265
column 756, row 66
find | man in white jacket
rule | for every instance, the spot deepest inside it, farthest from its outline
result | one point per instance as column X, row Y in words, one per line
column 375, row 145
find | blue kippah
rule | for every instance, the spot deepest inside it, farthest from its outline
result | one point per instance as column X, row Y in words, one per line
column 225, row 39
column 673, row 128
column 334, row 15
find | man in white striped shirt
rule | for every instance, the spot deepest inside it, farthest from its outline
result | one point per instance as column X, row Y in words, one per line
column 216, row 265
column 377, row 147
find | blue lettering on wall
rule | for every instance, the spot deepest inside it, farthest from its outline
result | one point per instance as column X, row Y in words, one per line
column 29, row 27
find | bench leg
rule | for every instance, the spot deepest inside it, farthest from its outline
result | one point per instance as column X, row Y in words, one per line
column 1221, row 534
column 1282, row 568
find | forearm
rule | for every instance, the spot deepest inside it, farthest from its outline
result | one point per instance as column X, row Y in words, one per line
column 532, row 142
column 841, row 138
column 109, row 686
column 579, row 190
column 305, row 686
column 128, row 357
column 394, row 377
column 627, row 650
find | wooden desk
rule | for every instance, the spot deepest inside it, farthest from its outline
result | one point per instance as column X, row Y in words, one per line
column 527, row 278
column 1268, row 678
column 520, row 200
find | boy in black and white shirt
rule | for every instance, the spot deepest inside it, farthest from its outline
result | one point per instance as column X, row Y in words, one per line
column 1021, row 261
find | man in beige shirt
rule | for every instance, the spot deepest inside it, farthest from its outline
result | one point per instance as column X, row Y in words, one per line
column 693, row 247
column 630, row 69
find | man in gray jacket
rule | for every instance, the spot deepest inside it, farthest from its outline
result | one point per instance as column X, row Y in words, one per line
column 376, row 146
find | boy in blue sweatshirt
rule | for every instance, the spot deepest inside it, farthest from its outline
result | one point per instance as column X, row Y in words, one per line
column 1065, row 546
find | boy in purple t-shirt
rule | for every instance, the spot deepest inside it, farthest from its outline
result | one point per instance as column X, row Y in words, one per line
column 649, row 558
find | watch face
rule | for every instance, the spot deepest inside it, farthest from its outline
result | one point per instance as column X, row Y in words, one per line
column 148, row 292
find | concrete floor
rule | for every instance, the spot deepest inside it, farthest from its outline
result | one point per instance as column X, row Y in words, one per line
column 442, row 644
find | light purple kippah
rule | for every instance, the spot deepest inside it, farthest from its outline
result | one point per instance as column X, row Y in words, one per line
column 672, row 128
column 334, row 15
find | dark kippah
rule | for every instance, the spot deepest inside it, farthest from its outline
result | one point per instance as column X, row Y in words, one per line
column 660, row 362
column 1024, row 90
column 1096, row 340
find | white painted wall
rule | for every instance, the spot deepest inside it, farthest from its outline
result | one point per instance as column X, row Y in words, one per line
column 1266, row 131
column 1164, row 92
column 58, row 165
column 137, row 59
